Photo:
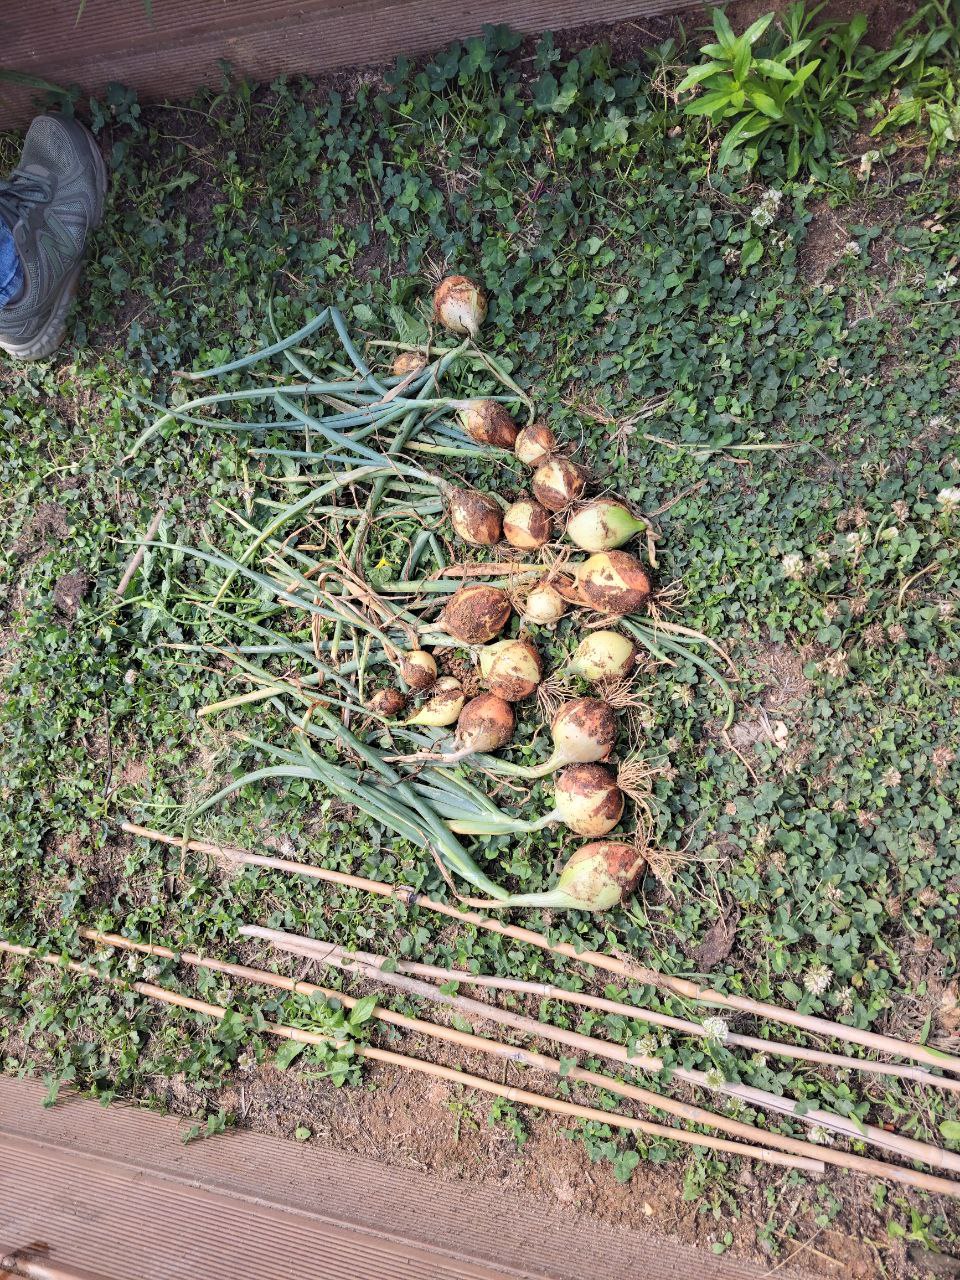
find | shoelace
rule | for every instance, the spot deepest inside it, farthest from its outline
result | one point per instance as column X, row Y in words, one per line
column 20, row 193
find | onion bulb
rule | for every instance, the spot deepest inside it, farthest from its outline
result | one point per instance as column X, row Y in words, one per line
column 511, row 668
column 487, row 422
column 613, row 582
column 557, row 483
column 526, row 525
column 443, row 706
column 386, row 702
column 595, row 878
column 588, row 799
column 603, row 524
column 419, row 669
column 475, row 614
column 407, row 362
column 583, row 731
column 460, row 305
column 603, row 655
column 535, row 444
column 486, row 724
column 476, row 517
column 544, row 605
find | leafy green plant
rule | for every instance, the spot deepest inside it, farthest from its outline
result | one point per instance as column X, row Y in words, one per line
column 778, row 82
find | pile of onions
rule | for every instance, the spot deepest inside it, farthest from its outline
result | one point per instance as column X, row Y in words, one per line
column 476, row 517
column 603, row 524
column 486, row 724
column 460, row 305
column 512, row 669
column 407, row 362
column 544, row 605
column 476, row 614
column 419, row 669
column 588, row 800
column 443, row 705
column 526, row 525
column 487, row 422
column 535, row 444
column 386, row 702
column 557, row 483
column 603, row 655
column 613, row 582
column 597, row 877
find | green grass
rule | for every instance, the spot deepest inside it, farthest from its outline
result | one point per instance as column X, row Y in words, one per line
column 611, row 249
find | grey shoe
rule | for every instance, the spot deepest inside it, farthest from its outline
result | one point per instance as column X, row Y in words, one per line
column 51, row 202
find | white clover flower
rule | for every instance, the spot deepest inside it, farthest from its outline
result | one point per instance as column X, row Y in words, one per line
column 821, row 558
column 946, row 281
column 716, row 1029
column 888, row 534
column 819, row 1135
column 938, row 422
column 949, row 499
column 764, row 213
column 793, row 565
column 714, row 1078
column 818, row 978
column 852, row 249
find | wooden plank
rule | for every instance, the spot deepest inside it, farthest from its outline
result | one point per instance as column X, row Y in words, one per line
column 184, row 44
column 115, row 1193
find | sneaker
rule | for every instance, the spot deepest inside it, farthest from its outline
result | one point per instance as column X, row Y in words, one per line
column 51, row 202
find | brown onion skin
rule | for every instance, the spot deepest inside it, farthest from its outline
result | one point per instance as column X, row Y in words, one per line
column 614, row 598
column 476, row 614
column 487, row 422
column 594, row 717
column 417, row 675
column 476, row 517
column 387, row 702
column 487, row 719
column 526, row 525
column 558, row 497
column 534, row 444
column 594, row 780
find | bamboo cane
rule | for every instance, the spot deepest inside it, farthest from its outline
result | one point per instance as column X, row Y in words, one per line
column 549, row 991
column 597, row 959
column 452, row 1074
column 843, row 1160
column 370, row 966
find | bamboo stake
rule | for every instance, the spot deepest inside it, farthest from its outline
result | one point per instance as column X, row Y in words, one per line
column 452, row 1074
column 136, row 560
column 843, row 1160
column 371, row 966
column 549, row 991
column 511, row 1053
column 597, row 959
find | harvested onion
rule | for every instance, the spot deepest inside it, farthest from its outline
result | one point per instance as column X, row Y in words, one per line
column 544, row 605
column 526, row 525
column 511, row 668
column 460, row 305
column 487, row 422
column 407, row 362
column 535, row 444
column 386, row 702
column 419, row 669
column 475, row 614
column 443, row 705
column 486, row 724
column 583, row 731
column 603, row 655
column 613, row 582
column 597, row 877
column 558, row 483
column 603, row 524
column 588, row 799
column 476, row 517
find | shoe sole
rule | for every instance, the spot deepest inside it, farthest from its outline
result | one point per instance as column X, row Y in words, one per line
column 52, row 334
